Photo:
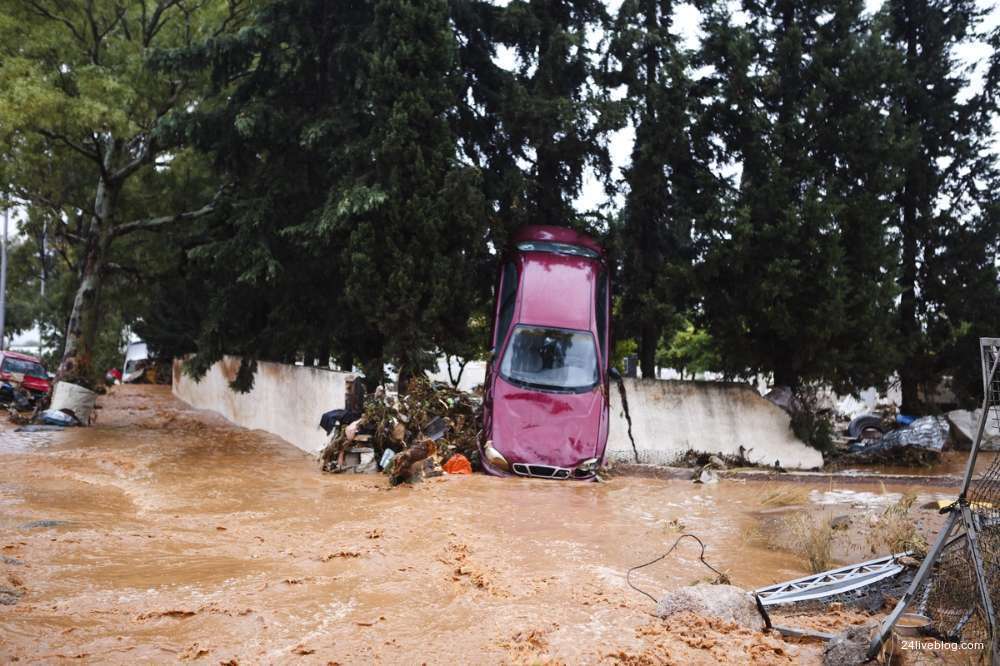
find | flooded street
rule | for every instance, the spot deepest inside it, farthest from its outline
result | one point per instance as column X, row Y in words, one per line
column 165, row 534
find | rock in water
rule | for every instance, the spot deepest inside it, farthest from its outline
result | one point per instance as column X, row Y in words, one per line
column 965, row 426
column 726, row 602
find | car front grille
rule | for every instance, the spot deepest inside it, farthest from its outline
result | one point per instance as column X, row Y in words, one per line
column 541, row 471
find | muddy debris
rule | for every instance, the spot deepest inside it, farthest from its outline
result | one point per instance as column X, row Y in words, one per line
column 9, row 595
column 849, row 647
column 706, row 476
column 919, row 443
column 43, row 524
column 410, row 437
column 717, row 461
column 725, row 602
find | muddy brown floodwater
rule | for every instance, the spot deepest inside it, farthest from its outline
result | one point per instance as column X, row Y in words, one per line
column 176, row 536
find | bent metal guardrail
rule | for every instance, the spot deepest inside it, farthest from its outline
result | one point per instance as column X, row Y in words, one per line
column 961, row 600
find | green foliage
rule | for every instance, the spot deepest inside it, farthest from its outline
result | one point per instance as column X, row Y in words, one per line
column 669, row 185
column 787, row 276
column 623, row 348
column 353, row 219
column 810, row 423
column 550, row 113
column 691, row 351
column 22, row 287
column 946, row 199
column 82, row 126
column 815, row 186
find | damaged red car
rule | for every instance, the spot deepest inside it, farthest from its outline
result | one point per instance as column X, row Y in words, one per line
column 546, row 394
column 32, row 375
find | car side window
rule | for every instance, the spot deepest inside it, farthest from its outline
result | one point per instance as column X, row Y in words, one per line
column 508, row 293
column 601, row 311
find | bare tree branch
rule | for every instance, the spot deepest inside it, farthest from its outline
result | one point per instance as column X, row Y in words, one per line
column 65, row 140
column 143, row 146
column 39, row 9
column 155, row 20
column 112, row 268
column 57, row 207
column 154, row 223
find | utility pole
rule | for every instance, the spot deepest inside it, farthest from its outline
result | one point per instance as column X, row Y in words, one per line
column 3, row 276
column 45, row 231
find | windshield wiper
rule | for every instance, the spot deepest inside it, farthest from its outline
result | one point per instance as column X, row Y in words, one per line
column 550, row 387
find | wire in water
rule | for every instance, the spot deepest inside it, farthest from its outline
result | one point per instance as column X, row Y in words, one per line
column 628, row 575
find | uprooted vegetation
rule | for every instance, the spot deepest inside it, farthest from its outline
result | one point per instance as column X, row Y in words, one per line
column 781, row 496
column 427, row 426
column 812, row 539
column 821, row 540
column 896, row 531
column 692, row 458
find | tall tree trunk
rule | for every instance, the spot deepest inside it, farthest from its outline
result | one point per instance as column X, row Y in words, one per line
column 81, row 331
column 648, row 340
column 785, row 376
column 909, row 373
column 323, row 355
column 908, row 326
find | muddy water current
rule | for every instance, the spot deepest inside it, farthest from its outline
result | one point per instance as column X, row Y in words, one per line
column 164, row 534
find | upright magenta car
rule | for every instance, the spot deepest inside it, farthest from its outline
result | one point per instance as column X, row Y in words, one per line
column 546, row 395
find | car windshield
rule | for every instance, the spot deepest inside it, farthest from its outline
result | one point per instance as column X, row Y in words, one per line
column 22, row 367
column 558, row 248
column 550, row 358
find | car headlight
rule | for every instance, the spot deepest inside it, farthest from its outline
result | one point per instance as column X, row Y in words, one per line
column 493, row 456
column 586, row 468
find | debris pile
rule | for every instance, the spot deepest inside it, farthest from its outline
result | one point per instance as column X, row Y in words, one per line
column 430, row 430
column 23, row 406
column 920, row 442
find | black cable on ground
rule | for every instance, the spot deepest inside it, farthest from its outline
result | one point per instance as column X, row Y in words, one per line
column 628, row 574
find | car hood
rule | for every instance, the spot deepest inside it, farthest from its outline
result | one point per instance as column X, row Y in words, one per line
column 558, row 429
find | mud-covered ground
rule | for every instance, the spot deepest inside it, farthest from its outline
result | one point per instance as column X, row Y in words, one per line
column 164, row 534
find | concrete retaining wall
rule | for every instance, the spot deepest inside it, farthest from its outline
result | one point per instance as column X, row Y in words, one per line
column 672, row 417
column 668, row 417
column 286, row 400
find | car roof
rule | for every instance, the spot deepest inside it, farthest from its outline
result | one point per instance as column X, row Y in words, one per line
column 542, row 232
column 20, row 356
column 557, row 290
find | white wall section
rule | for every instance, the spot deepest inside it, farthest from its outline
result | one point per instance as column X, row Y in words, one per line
column 672, row 417
column 668, row 417
column 286, row 400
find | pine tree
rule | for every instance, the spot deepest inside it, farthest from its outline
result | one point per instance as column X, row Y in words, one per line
column 784, row 276
column 944, row 230
column 353, row 218
column 279, row 125
column 425, row 234
column 550, row 114
column 669, row 185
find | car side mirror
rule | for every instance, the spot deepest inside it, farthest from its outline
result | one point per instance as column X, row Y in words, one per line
column 614, row 374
